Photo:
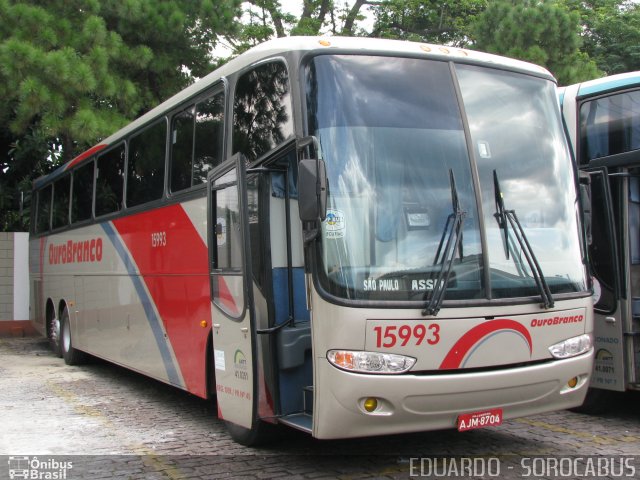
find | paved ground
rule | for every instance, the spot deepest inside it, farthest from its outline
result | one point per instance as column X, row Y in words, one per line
column 112, row 423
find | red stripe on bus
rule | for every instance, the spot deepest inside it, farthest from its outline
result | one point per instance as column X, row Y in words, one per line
column 84, row 155
column 462, row 347
column 172, row 259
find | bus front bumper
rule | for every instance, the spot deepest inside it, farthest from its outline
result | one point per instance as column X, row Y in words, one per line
column 414, row 403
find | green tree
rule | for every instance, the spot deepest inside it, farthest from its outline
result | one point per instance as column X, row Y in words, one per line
column 74, row 71
column 443, row 22
column 610, row 33
column 544, row 32
column 265, row 19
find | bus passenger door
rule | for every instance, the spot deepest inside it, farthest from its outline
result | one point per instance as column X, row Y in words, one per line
column 233, row 315
column 609, row 368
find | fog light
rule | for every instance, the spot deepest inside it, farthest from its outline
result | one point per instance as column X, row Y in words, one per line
column 573, row 382
column 370, row 404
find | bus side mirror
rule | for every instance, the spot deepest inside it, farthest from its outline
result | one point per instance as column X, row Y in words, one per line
column 312, row 190
column 585, row 201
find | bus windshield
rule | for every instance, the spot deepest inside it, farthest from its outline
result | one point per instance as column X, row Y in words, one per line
column 403, row 185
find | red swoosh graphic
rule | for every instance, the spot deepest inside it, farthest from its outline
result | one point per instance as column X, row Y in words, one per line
column 456, row 355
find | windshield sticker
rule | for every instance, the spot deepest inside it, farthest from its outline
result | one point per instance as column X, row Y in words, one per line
column 334, row 224
column 483, row 149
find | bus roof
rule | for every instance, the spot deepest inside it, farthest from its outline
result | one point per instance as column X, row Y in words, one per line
column 605, row 84
column 302, row 44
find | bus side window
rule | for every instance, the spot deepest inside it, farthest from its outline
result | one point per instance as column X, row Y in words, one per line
column 82, row 196
column 262, row 116
column 208, row 137
column 145, row 171
column 196, row 142
column 181, row 150
column 110, row 181
column 609, row 126
column 61, row 190
column 44, row 209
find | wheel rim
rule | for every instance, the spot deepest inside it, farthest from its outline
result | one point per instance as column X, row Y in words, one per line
column 55, row 332
column 66, row 337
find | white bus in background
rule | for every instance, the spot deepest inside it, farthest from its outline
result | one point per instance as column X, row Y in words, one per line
column 602, row 118
column 351, row 237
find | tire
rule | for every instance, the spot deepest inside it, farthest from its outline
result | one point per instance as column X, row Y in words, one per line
column 597, row 401
column 261, row 433
column 71, row 355
column 54, row 334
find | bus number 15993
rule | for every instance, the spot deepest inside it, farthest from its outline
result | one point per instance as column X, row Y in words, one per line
column 392, row 334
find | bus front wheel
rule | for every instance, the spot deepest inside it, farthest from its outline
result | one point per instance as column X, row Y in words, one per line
column 259, row 434
column 597, row 401
column 71, row 355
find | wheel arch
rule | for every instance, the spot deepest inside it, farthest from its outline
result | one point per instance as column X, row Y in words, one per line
column 50, row 314
column 62, row 304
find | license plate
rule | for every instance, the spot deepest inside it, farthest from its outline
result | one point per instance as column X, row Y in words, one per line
column 488, row 418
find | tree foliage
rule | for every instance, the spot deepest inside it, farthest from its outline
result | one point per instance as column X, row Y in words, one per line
column 442, row 22
column 74, row 71
column 610, row 33
column 264, row 19
column 544, row 32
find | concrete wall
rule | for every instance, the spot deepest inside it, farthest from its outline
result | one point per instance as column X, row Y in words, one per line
column 14, row 276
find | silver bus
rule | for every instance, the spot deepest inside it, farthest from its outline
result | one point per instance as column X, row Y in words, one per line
column 351, row 237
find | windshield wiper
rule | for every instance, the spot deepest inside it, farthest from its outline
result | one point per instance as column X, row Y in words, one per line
column 505, row 218
column 453, row 234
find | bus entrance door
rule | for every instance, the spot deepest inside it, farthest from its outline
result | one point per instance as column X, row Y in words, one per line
column 232, row 313
column 609, row 367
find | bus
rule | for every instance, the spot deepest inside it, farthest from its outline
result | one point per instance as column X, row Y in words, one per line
column 351, row 237
column 602, row 119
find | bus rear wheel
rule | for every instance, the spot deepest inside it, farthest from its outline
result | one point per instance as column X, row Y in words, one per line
column 71, row 355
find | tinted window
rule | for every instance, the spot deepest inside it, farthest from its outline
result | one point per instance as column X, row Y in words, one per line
column 61, row 193
column 208, row 139
column 145, row 173
column 602, row 248
column 181, row 150
column 609, row 125
column 192, row 156
column 82, row 193
column 262, row 110
column 44, row 209
column 227, row 280
column 109, row 181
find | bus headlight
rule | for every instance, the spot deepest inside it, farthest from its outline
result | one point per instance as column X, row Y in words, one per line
column 370, row 362
column 571, row 347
